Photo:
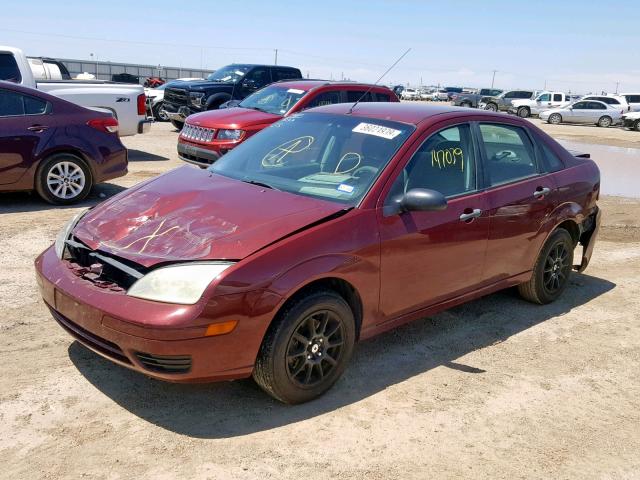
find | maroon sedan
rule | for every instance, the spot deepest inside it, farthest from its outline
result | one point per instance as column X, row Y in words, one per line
column 208, row 135
column 328, row 227
column 55, row 147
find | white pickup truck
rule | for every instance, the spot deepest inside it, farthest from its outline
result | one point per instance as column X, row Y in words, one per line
column 126, row 102
column 544, row 101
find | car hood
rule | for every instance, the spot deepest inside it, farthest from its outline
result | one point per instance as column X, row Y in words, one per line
column 192, row 214
column 203, row 85
column 236, row 117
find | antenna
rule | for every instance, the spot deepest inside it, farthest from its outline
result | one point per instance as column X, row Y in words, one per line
column 376, row 82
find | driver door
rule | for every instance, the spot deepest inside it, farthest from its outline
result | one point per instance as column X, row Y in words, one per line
column 430, row 257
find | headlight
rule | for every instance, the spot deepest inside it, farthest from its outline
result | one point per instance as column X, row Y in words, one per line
column 196, row 98
column 63, row 235
column 184, row 283
column 230, row 134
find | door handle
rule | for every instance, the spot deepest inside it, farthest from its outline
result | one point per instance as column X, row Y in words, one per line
column 541, row 192
column 475, row 213
column 37, row 128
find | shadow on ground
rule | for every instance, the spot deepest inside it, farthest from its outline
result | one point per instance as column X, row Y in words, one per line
column 238, row 408
column 142, row 156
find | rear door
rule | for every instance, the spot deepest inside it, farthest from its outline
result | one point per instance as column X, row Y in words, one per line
column 579, row 113
column 23, row 128
column 520, row 198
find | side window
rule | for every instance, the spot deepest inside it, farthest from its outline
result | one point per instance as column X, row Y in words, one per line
column 580, row 106
column 510, row 95
column 509, row 153
column 551, row 160
column 284, row 74
column 525, row 95
column 326, row 98
column 633, row 98
column 545, row 98
column 34, row 106
column 355, row 95
column 260, row 77
column 596, row 106
column 9, row 68
column 445, row 162
column 557, row 97
column 11, row 104
column 382, row 97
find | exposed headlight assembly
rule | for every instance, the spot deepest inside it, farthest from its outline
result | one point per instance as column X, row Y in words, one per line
column 196, row 98
column 230, row 134
column 63, row 234
column 181, row 283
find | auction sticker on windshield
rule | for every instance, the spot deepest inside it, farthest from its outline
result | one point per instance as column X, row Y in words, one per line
column 295, row 90
column 377, row 130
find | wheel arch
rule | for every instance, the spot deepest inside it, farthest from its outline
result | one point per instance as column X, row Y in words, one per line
column 62, row 150
column 217, row 98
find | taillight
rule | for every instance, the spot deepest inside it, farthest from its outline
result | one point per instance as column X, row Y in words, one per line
column 142, row 104
column 104, row 124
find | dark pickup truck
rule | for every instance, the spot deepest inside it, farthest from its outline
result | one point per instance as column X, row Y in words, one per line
column 472, row 99
column 228, row 83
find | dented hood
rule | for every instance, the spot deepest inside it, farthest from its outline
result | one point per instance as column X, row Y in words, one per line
column 191, row 214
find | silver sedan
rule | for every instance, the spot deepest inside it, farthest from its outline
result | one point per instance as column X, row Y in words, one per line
column 584, row 111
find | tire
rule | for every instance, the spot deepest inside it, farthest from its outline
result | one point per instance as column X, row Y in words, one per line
column 524, row 112
column 63, row 179
column 159, row 114
column 290, row 366
column 492, row 107
column 177, row 125
column 552, row 269
column 465, row 104
column 636, row 126
column 605, row 121
column 555, row 119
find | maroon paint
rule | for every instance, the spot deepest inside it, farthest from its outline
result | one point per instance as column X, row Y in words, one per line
column 402, row 267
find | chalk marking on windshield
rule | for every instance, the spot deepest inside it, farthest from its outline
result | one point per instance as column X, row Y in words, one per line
column 276, row 156
column 345, row 158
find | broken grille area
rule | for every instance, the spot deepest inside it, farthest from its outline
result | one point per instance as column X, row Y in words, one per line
column 165, row 363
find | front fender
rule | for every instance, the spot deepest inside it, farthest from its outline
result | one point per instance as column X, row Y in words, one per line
column 217, row 98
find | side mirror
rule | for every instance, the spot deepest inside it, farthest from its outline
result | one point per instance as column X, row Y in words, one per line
column 421, row 200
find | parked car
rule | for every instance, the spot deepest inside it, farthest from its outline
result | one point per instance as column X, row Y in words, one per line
column 55, row 147
column 584, row 111
column 409, row 94
column 227, row 83
column 631, row 120
column 398, row 90
column 503, row 101
column 127, row 102
column 615, row 101
column 453, row 92
column 440, row 95
column 544, row 101
column 471, row 100
column 155, row 98
column 207, row 136
column 330, row 228
column 633, row 99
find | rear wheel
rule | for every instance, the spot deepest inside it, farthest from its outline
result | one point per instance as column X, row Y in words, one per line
column 63, row 179
column 555, row 119
column 307, row 348
column 177, row 125
column 605, row 121
column 552, row 269
column 637, row 125
column 466, row 104
column 524, row 112
column 492, row 107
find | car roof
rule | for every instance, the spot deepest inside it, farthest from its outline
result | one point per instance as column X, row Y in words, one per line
column 306, row 85
column 411, row 113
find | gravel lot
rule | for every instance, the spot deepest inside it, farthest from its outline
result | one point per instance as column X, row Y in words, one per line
column 497, row 388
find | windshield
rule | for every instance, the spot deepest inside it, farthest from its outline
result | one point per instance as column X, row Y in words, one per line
column 277, row 100
column 230, row 74
column 331, row 157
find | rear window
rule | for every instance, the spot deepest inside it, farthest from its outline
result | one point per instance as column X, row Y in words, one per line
column 14, row 104
column 382, row 97
column 284, row 74
column 633, row 98
column 557, row 97
column 9, row 68
column 361, row 95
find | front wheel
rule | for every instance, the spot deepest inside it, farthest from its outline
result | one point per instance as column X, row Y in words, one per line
column 492, row 107
column 555, row 119
column 552, row 269
column 637, row 126
column 307, row 348
column 523, row 112
column 465, row 104
column 605, row 121
column 159, row 114
column 63, row 179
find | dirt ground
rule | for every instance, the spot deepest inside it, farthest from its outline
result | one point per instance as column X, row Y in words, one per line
column 497, row 388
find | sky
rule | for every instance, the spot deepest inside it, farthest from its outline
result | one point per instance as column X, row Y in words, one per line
column 577, row 46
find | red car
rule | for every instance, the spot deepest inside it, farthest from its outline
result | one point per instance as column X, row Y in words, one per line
column 55, row 147
column 208, row 135
column 330, row 227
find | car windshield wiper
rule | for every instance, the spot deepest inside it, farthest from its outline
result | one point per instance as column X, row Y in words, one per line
column 260, row 184
column 255, row 108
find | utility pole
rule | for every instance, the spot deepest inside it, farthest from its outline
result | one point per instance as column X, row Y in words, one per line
column 276, row 59
column 545, row 84
column 617, row 85
column 493, row 78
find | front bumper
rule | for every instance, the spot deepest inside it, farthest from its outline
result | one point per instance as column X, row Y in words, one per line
column 197, row 155
column 163, row 341
column 629, row 122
